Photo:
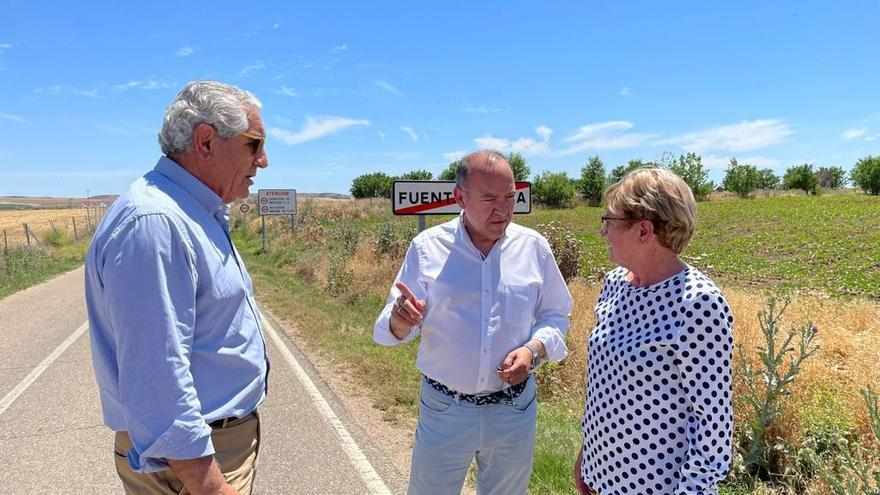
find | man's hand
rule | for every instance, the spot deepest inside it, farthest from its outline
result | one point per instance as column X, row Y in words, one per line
column 407, row 312
column 516, row 366
column 201, row 476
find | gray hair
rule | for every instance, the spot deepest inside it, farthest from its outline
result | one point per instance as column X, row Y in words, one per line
column 220, row 105
column 464, row 165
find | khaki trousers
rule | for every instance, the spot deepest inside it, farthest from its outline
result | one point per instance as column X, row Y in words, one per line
column 236, row 446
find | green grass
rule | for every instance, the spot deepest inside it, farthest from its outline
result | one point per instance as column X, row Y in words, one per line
column 23, row 267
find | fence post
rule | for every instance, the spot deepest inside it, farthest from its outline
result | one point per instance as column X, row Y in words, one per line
column 75, row 236
column 27, row 234
column 54, row 228
column 5, row 244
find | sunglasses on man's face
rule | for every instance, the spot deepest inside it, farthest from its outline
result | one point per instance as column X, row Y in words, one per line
column 256, row 142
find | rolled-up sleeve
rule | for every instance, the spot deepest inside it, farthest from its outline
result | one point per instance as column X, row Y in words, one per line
column 150, row 289
column 703, row 351
column 553, row 310
column 408, row 274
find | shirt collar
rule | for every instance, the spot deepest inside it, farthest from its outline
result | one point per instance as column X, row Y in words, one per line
column 191, row 184
column 461, row 234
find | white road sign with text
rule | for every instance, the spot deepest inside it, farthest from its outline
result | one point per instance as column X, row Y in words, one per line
column 424, row 197
column 276, row 201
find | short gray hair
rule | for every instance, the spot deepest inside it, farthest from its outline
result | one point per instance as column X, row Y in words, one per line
column 464, row 164
column 220, row 105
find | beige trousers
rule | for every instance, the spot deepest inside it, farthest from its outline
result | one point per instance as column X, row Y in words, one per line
column 236, row 446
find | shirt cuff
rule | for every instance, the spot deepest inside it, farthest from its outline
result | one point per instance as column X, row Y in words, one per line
column 382, row 334
column 183, row 440
column 554, row 342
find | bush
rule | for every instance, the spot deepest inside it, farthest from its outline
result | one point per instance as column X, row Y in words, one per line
column 348, row 236
column 416, row 175
column 831, row 177
column 592, row 183
column 801, row 177
column 566, row 248
column 519, row 166
column 690, row 168
column 866, row 175
column 375, row 185
column 554, row 189
column 767, row 385
column 618, row 172
column 768, row 180
column 856, row 469
column 390, row 242
column 449, row 173
column 741, row 179
column 57, row 238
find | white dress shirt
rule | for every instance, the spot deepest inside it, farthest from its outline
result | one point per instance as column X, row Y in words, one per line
column 479, row 309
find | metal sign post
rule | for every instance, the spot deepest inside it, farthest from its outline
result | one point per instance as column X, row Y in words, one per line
column 425, row 197
column 276, row 202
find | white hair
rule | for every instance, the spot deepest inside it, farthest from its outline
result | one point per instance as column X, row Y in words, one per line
column 220, row 105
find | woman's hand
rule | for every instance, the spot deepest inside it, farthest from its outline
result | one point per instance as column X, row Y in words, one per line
column 582, row 487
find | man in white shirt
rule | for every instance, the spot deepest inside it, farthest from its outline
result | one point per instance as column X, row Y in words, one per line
column 490, row 303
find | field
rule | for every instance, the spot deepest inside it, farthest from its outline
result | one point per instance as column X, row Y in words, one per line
column 332, row 277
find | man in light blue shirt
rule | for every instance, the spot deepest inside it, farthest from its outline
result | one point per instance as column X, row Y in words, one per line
column 175, row 331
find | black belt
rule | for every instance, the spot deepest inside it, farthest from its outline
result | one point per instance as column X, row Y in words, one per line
column 226, row 422
column 506, row 395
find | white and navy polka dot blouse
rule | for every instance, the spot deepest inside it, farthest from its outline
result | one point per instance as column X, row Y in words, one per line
column 658, row 416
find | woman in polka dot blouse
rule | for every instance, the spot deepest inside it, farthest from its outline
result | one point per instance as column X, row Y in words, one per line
column 658, row 417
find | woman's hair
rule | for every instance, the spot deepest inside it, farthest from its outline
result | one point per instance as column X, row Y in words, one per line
column 658, row 195
column 223, row 106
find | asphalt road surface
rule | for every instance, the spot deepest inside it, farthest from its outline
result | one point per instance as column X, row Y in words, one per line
column 52, row 440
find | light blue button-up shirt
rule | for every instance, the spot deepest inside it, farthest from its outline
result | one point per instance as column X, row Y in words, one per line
column 175, row 331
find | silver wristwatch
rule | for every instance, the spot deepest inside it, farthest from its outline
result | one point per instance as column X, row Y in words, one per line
column 536, row 358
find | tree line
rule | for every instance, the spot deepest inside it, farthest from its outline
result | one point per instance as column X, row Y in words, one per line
column 558, row 189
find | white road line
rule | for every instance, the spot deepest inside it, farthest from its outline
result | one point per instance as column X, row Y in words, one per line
column 355, row 454
column 36, row 372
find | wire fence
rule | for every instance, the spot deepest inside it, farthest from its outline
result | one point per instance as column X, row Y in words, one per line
column 53, row 229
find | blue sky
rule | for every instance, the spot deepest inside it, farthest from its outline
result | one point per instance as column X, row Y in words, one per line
column 355, row 87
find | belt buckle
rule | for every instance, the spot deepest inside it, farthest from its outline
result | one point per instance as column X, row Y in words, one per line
column 509, row 399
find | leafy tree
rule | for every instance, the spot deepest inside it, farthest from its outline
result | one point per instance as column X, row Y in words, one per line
column 866, row 174
column 619, row 171
column 768, row 179
column 801, row 177
column 375, row 185
column 417, row 175
column 831, row 177
column 520, row 168
column 554, row 189
column 449, row 173
column 690, row 168
column 592, row 183
column 741, row 179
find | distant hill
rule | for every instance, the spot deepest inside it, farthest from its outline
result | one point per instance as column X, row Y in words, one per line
column 46, row 202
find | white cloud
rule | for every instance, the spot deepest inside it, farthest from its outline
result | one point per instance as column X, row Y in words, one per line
column 381, row 135
column 524, row 145
column 316, row 127
column 185, row 51
column 65, row 88
column 12, row 117
column 5, row 46
column 624, row 91
column 341, row 48
column 871, row 138
column 854, row 133
column 454, row 155
column 287, row 91
column 745, row 136
column 276, row 25
column 257, row 66
column 480, row 110
column 605, row 136
column 112, row 129
column 410, row 132
column 145, row 85
column 387, row 87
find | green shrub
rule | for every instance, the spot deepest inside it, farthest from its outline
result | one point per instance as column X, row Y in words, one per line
column 57, row 238
column 340, row 278
column 831, row 177
column 768, row 180
column 554, row 189
column 592, row 183
column 390, row 241
column 801, row 177
column 348, row 236
column 866, row 174
column 856, row 469
column 741, row 179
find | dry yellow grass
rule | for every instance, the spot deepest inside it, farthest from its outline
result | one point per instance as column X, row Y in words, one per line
column 40, row 221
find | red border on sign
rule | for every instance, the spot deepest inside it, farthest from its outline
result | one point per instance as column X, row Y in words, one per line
column 415, row 210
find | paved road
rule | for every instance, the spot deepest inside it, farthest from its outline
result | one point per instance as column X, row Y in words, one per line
column 53, row 440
